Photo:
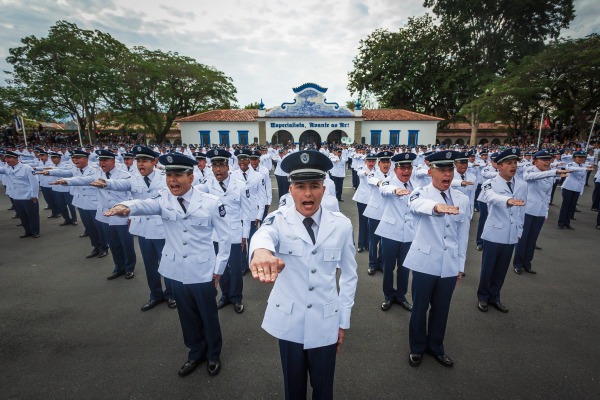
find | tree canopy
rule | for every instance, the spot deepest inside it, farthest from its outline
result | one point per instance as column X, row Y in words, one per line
column 83, row 72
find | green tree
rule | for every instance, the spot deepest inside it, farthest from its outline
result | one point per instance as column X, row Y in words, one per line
column 157, row 87
column 63, row 73
column 252, row 106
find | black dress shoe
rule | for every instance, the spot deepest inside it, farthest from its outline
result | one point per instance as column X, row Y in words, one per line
column 371, row 271
column 129, row 275
column 83, row 235
column 151, row 304
column 500, row 307
column 479, row 247
column 415, row 359
column 115, row 275
column 93, row 254
column 171, row 303
column 360, row 249
column 405, row 304
column 482, row 306
column 597, row 226
column 518, row 271
column 26, row 235
column 341, row 200
column 188, row 367
column 222, row 303
column 74, row 223
column 569, row 227
column 529, row 270
column 19, row 224
column 103, row 253
column 444, row 360
column 65, row 223
column 238, row 307
column 213, row 367
column 576, row 210
column 35, row 235
column 386, row 305
column 573, row 219
column 538, row 248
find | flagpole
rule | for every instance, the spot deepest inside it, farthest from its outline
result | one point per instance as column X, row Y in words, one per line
column 540, row 132
column 23, row 127
column 591, row 130
column 78, row 131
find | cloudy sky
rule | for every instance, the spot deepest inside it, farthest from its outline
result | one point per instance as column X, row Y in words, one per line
column 266, row 46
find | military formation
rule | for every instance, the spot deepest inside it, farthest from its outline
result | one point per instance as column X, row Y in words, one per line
column 201, row 216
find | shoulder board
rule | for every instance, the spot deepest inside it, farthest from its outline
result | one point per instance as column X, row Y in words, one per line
column 371, row 175
column 385, row 183
column 487, row 186
column 415, row 195
column 269, row 220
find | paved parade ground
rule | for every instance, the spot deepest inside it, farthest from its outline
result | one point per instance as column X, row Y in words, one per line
column 68, row 333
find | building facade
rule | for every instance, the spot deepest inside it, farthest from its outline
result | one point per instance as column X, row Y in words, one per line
column 309, row 119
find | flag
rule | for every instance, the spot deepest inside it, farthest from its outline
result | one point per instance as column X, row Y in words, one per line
column 546, row 124
column 17, row 122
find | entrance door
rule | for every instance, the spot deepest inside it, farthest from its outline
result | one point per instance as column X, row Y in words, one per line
column 310, row 138
column 205, row 138
column 224, row 138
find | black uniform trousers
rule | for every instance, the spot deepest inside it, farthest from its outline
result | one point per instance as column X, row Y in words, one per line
column 375, row 255
column 395, row 253
column 494, row 265
column 49, row 197
column 232, row 282
column 297, row 363
column 283, row 185
column 29, row 214
column 121, row 246
column 199, row 319
column 433, row 293
column 567, row 208
column 63, row 200
column 363, row 226
column 596, row 195
column 93, row 228
column 526, row 246
column 151, row 250
column 338, row 181
column 483, row 214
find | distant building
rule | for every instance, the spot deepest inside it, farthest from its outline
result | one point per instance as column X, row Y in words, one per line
column 460, row 133
column 309, row 119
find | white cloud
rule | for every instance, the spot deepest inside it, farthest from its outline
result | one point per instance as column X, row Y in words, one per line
column 267, row 47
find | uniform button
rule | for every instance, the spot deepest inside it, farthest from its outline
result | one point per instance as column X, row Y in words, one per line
column 311, row 288
column 184, row 243
column 313, row 270
column 314, row 252
column 444, row 237
column 290, row 252
column 184, row 217
column 309, row 306
column 184, row 256
column 447, row 225
column 185, row 230
column 277, row 305
column 444, row 249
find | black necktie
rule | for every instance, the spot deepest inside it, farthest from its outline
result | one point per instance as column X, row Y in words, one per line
column 444, row 196
column 406, row 185
column 81, row 171
column 180, row 200
column 108, row 175
column 385, row 175
column 509, row 186
column 308, row 225
column 245, row 177
column 463, row 177
column 202, row 172
column 223, row 186
column 147, row 180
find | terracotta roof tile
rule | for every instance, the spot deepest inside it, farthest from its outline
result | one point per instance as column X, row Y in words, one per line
column 396, row 115
column 222, row 116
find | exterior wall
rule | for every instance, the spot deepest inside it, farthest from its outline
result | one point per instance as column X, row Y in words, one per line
column 190, row 131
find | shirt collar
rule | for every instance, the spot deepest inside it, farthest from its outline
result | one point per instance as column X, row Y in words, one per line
column 316, row 216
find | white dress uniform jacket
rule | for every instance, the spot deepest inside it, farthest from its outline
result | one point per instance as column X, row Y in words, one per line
column 189, row 254
column 504, row 223
column 305, row 306
column 236, row 201
column 21, row 183
column 258, row 196
column 84, row 197
column 147, row 226
column 539, row 189
column 201, row 176
column 374, row 207
column 440, row 244
column 363, row 193
column 575, row 180
column 397, row 219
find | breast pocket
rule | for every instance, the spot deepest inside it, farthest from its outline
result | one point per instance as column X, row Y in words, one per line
column 200, row 223
column 422, row 247
column 280, row 312
column 291, row 249
column 170, row 215
column 497, row 225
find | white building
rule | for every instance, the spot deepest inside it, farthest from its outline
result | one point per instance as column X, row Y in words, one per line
column 309, row 119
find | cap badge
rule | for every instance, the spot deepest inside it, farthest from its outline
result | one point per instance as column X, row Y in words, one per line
column 514, row 151
column 406, row 156
column 449, row 155
column 304, row 158
column 216, row 152
column 170, row 159
column 139, row 148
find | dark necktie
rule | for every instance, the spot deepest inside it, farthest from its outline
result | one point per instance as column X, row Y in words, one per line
column 308, row 225
column 444, row 196
column 406, row 185
column 245, row 176
column 223, row 186
column 81, row 171
column 108, row 175
column 463, row 177
column 147, row 180
column 385, row 175
column 180, row 200
column 202, row 172
column 509, row 186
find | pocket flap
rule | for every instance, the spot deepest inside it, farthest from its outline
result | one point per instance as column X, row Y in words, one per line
column 330, row 309
column 332, row 255
column 422, row 247
column 291, row 249
column 281, row 303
